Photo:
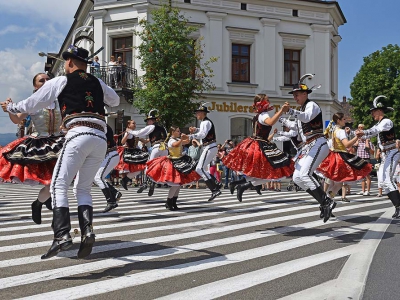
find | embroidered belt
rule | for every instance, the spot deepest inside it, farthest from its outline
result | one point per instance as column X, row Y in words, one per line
column 86, row 124
column 111, row 149
column 311, row 139
column 390, row 148
column 208, row 143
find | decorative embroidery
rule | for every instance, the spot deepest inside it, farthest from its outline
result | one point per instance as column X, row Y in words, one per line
column 89, row 99
column 64, row 108
column 83, row 75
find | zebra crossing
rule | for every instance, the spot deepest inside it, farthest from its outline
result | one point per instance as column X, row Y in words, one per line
column 272, row 246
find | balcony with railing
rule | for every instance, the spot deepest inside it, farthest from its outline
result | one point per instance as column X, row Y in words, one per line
column 122, row 79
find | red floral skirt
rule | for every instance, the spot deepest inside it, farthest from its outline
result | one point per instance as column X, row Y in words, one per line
column 247, row 157
column 161, row 170
column 123, row 166
column 31, row 173
column 337, row 169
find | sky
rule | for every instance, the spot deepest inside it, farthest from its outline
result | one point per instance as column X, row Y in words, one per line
column 31, row 26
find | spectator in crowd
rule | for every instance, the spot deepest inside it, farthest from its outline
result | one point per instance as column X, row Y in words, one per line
column 112, row 72
column 364, row 149
column 214, row 168
column 96, row 66
column 226, row 148
column 121, row 72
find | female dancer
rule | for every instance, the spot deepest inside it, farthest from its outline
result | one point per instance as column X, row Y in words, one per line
column 256, row 157
column 132, row 159
column 340, row 166
column 31, row 159
column 175, row 169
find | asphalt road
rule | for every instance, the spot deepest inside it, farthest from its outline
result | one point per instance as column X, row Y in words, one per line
column 272, row 246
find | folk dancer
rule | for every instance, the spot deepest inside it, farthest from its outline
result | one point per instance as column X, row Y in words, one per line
column 176, row 169
column 256, row 157
column 81, row 98
column 132, row 160
column 341, row 166
column 385, row 132
column 31, row 159
column 157, row 135
column 315, row 149
column 206, row 132
column 109, row 163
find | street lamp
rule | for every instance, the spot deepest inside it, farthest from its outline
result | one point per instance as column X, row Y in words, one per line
column 42, row 54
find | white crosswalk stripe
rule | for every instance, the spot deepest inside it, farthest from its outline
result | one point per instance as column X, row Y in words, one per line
column 205, row 250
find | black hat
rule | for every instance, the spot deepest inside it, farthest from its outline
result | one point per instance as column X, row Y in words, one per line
column 381, row 104
column 203, row 108
column 153, row 114
column 78, row 53
column 300, row 86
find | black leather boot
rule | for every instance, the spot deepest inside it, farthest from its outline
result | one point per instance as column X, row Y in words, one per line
column 174, row 203
column 143, row 186
column 241, row 188
column 36, row 207
column 152, row 185
column 124, row 182
column 394, row 196
column 117, row 194
column 111, row 202
column 319, row 195
column 61, row 226
column 218, row 185
column 169, row 204
column 215, row 192
column 258, row 189
column 233, row 184
column 85, row 216
column 48, row 204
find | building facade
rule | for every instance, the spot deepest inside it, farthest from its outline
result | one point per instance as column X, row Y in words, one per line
column 262, row 47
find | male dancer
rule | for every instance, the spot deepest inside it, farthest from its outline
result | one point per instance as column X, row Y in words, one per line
column 206, row 133
column 384, row 129
column 157, row 135
column 108, row 164
column 315, row 148
column 81, row 98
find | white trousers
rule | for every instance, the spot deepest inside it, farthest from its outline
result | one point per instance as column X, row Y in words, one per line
column 83, row 151
column 209, row 152
column 380, row 174
column 110, row 162
column 305, row 166
column 389, row 167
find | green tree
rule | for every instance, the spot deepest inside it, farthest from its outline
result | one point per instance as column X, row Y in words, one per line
column 379, row 75
column 175, row 72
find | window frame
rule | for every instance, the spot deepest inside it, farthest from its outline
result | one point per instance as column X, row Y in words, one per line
column 291, row 61
column 239, row 57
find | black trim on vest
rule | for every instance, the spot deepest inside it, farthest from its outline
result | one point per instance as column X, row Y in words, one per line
column 315, row 125
column 158, row 134
column 387, row 137
column 259, row 130
column 210, row 134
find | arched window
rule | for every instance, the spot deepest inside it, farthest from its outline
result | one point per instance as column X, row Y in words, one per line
column 240, row 128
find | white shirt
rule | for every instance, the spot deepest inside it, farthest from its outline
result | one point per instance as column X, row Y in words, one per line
column 142, row 132
column 201, row 132
column 383, row 125
column 262, row 117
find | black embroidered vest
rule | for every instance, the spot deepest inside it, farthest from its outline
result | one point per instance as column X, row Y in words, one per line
column 82, row 94
column 210, row 137
column 315, row 126
column 387, row 137
column 159, row 134
column 259, row 130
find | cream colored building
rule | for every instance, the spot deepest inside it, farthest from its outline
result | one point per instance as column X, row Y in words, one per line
column 262, row 47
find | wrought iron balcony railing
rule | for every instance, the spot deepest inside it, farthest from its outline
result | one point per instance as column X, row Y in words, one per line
column 118, row 77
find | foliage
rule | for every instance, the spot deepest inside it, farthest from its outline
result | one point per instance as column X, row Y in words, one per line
column 379, row 75
column 175, row 71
